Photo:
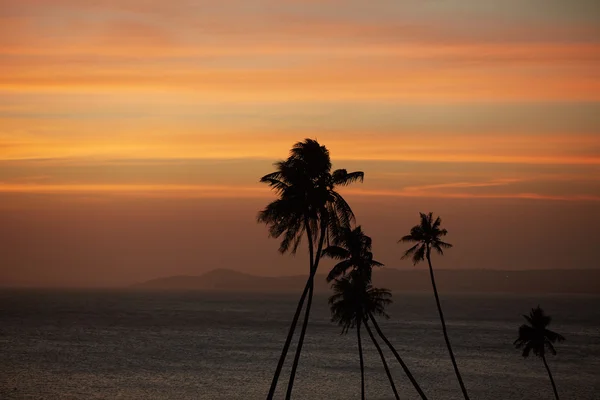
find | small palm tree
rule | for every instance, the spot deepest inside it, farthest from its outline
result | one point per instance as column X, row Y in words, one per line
column 353, row 249
column 538, row 338
column 352, row 302
column 307, row 204
column 427, row 235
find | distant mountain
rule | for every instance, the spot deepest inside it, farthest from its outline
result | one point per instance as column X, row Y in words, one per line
column 415, row 280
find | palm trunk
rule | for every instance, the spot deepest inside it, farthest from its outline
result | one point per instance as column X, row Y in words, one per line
column 288, row 341
column 404, row 366
column 292, row 329
column 315, row 265
column 550, row 375
column 387, row 370
column 439, row 307
column 362, row 365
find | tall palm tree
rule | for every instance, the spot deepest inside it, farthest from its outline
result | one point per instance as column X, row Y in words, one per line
column 353, row 248
column 538, row 338
column 427, row 235
column 307, row 203
column 353, row 301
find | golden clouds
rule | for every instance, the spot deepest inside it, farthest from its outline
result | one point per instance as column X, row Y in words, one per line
column 202, row 80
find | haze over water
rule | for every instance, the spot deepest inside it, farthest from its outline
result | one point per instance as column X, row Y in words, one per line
column 191, row 345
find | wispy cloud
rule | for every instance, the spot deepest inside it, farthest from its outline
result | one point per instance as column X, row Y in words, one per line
column 462, row 185
column 137, row 190
column 467, row 195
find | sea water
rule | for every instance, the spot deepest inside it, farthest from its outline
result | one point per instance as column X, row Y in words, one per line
column 193, row 345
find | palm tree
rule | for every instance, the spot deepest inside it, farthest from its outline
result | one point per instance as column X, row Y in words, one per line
column 427, row 236
column 308, row 204
column 353, row 249
column 536, row 337
column 353, row 300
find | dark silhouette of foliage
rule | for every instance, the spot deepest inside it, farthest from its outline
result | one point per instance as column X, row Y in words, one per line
column 353, row 250
column 537, row 338
column 353, row 301
column 427, row 235
column 307, row 204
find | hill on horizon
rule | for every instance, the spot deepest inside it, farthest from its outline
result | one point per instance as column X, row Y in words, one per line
column 413, row 280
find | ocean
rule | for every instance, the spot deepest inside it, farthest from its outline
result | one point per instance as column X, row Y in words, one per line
column 190, row 345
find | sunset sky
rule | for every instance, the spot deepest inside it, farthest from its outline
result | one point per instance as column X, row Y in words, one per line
column 133, row 133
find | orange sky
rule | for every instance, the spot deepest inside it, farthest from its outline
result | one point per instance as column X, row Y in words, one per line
column 175, row 108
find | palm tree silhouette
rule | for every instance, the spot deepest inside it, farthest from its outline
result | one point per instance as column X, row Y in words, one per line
column 308, row 204
column 352, row 302
column 353, row 248
column 536, row 337
column 427, row 235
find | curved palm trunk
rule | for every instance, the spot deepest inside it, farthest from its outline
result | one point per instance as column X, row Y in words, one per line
column 288, row 341
column 387, row 370
column 362, row 365
column 314, row 266
column 551, row 379
column 288, row 394
column 439, row 307
column 292, row 329
column 404, row 366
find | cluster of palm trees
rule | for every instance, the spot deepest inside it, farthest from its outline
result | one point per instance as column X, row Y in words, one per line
column 308, row 205
column 355, row 301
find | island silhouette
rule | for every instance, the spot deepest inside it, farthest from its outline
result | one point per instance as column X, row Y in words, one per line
column 399, row 280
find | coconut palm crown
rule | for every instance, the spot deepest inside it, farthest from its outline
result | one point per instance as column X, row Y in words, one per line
column 307, row 199
column 354, row 300
column 536, row 336
column 427, row 235
column 353, row 250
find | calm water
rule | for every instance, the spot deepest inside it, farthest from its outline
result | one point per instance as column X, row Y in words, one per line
column 92, row 345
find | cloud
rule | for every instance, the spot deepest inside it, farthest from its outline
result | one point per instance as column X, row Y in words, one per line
column 467, row 195
column 137, row 190
column 462, row 185
column 178, row 191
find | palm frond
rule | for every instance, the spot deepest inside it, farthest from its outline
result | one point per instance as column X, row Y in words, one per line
column 335, row 252
column 419, row 255
column 339, row 270
column 409, row 253
column 408, row 238
column 553, row 336
column 341, row 177
column 376, row 264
